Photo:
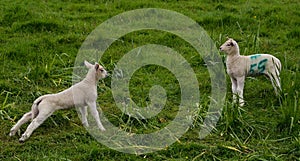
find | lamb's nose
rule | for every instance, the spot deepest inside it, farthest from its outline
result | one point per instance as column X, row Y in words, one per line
column 220, row 48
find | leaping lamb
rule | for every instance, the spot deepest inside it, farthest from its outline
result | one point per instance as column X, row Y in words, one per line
column 239, row 66
column 44, row 106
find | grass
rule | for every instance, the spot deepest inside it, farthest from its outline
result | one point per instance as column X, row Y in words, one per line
column 39, row 42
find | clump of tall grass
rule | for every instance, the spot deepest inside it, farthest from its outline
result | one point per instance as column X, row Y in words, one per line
column 289, row 107
column 4, row 113
column 235, row 123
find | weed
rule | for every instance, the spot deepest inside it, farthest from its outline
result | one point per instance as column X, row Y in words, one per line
column 4, row 110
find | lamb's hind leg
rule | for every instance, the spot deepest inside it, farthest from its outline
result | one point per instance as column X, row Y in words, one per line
column 36, row 122
column 275, row 80
column 26, row 117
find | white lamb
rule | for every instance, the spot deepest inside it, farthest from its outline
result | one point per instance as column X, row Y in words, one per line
column 239, row 66
column 44, row 106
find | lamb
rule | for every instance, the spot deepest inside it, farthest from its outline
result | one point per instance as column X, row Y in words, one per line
column 44, row 106
column 239, row 66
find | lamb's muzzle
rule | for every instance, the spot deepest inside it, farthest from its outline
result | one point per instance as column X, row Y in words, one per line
column 85, row 93
column 239, row 66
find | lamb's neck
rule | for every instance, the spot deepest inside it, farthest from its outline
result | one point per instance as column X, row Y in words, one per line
column 90, row 79
column 232, row 58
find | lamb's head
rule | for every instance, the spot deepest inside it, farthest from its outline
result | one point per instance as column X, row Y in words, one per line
column 96, row 71
column 230, row 47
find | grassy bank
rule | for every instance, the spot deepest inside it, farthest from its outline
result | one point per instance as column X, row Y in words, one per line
column 39, row 41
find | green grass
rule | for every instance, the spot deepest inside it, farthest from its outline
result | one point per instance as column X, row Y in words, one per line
column 39, row 41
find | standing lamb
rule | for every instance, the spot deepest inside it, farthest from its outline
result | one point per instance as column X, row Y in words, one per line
column 44, row 106
column 239, row 66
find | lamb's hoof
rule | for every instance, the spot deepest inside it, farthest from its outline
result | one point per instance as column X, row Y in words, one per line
column 12, row 133
column 241, row 104
column 102, row 129
column 23, row 138
column 21, row 141
column 86, row 125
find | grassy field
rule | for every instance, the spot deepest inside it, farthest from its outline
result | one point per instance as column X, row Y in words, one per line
column 39, row 41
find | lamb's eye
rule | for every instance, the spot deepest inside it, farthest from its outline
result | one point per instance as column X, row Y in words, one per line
column 101, row 70
column 228, row 45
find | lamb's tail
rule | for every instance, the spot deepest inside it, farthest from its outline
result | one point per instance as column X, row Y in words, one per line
column 277, row 64
column 275, row 75
column 34, row 107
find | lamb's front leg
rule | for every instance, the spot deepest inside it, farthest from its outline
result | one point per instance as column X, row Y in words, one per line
column 95, row 114
column 234, row 89
column 83, row 112
column 240, row 89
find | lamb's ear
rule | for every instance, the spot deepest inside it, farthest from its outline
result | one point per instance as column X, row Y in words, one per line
column 97, row 66
column 87, row 64
column 231, row 42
